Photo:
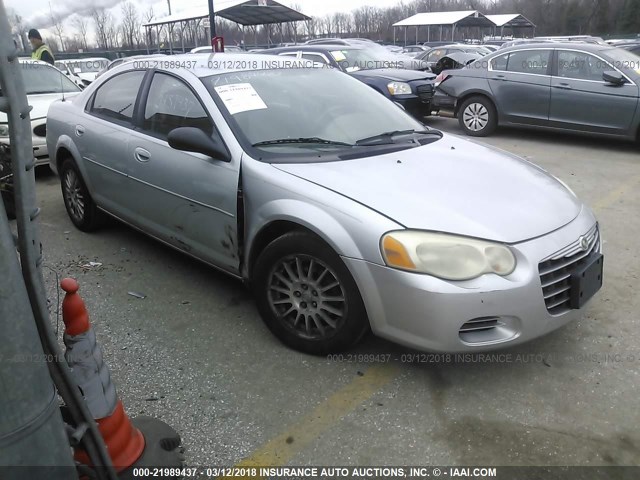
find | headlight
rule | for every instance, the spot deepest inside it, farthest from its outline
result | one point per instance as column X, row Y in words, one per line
column 445, row 256
column 4, row 130
column 399, row 88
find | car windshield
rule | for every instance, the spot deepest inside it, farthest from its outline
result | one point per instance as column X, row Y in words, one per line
column 274, row 111
column 41, row 78
column 352, row 59
column 623, row 59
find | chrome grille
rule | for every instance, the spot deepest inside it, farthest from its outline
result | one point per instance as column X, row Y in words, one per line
column 556, row 271
column 425, row 92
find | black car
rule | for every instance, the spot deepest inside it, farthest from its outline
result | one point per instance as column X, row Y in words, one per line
column 410, row 88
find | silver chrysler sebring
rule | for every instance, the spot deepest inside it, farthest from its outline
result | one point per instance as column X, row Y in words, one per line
column 339, row 210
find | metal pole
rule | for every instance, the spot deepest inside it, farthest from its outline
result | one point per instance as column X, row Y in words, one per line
column 212, row 22
column 14, row 103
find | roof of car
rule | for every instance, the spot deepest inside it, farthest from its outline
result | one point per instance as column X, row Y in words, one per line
column 76, row 60
column 315, row 47
column 207, row 64
column 594, row 47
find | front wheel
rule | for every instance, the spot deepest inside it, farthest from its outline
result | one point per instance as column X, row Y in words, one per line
column 307, row 296
column 477, row 117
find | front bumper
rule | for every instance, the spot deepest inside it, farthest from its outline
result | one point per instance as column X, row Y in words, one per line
column 40, row 150
column 424, row 312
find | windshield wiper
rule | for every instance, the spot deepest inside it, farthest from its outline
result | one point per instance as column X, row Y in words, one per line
column 316, row 140
column 387, row 137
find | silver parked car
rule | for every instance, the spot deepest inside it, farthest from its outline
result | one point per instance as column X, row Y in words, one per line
column 341, row 211
column 573, row 87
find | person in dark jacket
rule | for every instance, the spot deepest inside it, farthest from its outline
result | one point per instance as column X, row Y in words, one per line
column 41, row 51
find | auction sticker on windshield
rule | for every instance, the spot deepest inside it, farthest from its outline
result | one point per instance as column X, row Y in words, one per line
column 240, row 97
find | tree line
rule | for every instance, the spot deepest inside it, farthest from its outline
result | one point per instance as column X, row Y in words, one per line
column 101, row 30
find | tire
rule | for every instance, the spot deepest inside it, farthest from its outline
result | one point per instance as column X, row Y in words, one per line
column 80, row 207
column 307, row 296
column 9, row 204
column 478, row 117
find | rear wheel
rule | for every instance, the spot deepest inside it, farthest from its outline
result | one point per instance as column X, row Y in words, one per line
column 307, row 296
column 80, row 207
column 477, row 117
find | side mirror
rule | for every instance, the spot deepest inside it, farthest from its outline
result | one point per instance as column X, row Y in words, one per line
column 613, row 77
column 191, row 139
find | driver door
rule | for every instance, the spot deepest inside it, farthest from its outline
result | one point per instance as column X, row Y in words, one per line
column 189, row 200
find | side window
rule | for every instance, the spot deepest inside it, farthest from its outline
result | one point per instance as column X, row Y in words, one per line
column 581, row 66
column 288, row 54
column 529, row 61
column 171, row 104
column 499, row 63
column 314, row 57
column 116, row 98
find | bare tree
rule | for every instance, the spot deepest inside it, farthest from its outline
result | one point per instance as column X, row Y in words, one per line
column 81, row 24
column 58, row 26
column 130, row 24
column 148, row 16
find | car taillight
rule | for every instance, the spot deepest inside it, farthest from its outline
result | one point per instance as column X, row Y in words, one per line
column 441, row 78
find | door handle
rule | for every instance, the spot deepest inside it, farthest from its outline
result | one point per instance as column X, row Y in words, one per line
column 500, row 77
column 79, row 130
column 142, row 155
column 564, row 86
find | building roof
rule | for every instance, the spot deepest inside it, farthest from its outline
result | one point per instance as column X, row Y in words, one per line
column 465, row 18
column 243, row 12
column 510, row 20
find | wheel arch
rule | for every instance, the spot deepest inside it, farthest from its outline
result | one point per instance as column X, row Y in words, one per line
column 284, row 216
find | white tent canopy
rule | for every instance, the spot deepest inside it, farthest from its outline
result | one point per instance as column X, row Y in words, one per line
column 453, row 20
column 510, row 20
column 465, row 18
column 243, row 12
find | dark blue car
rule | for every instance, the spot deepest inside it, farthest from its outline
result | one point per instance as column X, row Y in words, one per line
column 412, row 89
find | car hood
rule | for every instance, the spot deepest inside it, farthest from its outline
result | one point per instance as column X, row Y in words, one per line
column 40, row 104
column 394, row 74
column 452, row 185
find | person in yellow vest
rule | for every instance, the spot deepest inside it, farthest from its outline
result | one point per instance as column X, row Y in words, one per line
column 40, row 49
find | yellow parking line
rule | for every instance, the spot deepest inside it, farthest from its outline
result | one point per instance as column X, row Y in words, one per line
column 281, row 449
column 616, row 194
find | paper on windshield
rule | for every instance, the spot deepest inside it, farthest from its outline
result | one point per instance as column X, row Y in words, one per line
column 338, row 55
column 240, row 97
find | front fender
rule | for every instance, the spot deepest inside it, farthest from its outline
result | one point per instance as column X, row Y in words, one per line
column 308, row 216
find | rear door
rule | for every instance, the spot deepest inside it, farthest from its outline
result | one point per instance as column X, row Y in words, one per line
column 521, row 84
column 187, row 199
column 582, row 100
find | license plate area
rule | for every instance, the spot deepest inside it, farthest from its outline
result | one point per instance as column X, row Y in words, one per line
column 586, row 281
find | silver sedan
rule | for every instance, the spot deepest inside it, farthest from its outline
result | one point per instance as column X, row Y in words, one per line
column 340, row 211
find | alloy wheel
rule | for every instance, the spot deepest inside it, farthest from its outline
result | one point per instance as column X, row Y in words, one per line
column 475, row 117
column 307, row 296
column 73, row 195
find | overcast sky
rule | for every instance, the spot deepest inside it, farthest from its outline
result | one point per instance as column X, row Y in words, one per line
column 37, row 13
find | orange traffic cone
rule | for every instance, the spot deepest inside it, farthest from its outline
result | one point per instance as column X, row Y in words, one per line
column 124, row 442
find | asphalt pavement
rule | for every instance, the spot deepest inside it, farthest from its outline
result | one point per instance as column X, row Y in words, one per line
column 195, row 353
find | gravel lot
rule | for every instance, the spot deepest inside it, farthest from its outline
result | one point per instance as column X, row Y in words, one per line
column 195, row 353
